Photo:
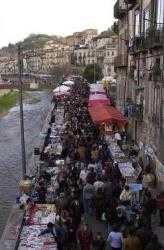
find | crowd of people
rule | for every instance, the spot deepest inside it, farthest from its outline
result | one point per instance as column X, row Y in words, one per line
column 89, row 186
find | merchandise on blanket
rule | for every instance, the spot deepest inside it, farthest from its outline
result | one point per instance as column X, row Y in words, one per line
column 29, row 239
column 116, row 152
column 126, row 169
column 41, row 214
column 50, row 195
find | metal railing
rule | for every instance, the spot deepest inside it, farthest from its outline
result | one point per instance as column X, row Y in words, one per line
column 120, row 61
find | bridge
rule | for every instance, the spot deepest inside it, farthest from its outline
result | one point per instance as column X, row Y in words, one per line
column 29, row 81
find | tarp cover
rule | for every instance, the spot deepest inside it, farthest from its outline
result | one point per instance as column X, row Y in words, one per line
column 98, row 99
column 96, row 88
column 106, row 114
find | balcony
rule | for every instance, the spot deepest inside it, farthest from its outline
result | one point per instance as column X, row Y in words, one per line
column 155, row 38
column 130, row 3
column 119, row 11
column 120, row 61
column 137, row 45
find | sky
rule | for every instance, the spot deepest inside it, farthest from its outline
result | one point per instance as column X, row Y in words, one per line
column 19, row 18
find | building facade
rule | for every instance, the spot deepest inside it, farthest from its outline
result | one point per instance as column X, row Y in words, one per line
column 84, row 37
column 53, row 54
column 140, row 69
column 100, row 50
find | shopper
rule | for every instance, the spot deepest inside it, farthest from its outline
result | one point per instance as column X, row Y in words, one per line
column 84, row 237
column 88, row 194
column 132, row 241
column 115, row 239
column 99, row 242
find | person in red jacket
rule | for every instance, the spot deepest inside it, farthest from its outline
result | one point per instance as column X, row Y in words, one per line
column 84, row 237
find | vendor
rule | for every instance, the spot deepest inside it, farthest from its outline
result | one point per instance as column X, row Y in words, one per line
column 133, row 149
column 126, row 196
column 118, row 139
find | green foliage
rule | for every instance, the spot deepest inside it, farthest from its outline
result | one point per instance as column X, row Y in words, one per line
column 35, row 41
column 89, row 72
column 115, row 28
column 8, row 100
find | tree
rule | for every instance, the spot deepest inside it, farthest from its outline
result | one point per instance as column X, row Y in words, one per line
column 115, row 28
column 59, row 71
column 92, row 70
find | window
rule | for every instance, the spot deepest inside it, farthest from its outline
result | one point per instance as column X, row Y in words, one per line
column 112, row 53
column 108, row 53
column 137, row 23
column 160, row 14
column 146, row 21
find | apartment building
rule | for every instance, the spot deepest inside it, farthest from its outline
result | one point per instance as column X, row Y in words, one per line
column 101, row 50
column 140, row 69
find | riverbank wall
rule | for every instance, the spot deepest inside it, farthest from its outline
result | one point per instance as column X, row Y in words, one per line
column 10, row 236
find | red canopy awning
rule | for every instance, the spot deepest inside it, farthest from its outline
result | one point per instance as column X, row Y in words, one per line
column 106, row 114
column 98, row 99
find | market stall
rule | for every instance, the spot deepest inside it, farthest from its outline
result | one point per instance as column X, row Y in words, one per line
column 55, row 144
column 68, row 83
column 101, row 113
column 61, row 91
column 125, row 165
column 37, row 217
column 98, row 99
column 97, row 89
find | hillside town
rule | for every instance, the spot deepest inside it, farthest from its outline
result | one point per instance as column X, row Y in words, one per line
column 80, row 49
column 96, row 178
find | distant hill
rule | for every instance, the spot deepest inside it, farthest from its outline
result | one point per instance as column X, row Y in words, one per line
column 33, row 41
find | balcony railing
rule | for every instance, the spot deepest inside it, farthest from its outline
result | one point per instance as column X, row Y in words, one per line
column 155, row 38
column 138, row 44
column 120, row 61
column 131, row 3
column 119, row 11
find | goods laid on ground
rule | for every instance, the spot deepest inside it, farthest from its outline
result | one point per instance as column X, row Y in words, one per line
column 84, row 175
column 29, row 239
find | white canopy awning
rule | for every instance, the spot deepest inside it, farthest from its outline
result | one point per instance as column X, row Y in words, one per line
column 97, row 88
column 61, row 90
column 68, row 83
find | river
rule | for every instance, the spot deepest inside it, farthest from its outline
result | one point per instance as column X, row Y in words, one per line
column 10, row 150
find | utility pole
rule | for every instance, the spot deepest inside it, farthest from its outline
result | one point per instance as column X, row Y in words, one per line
column 20, row 70
column 94, row 66
column 138, row 63
column 127, row 55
